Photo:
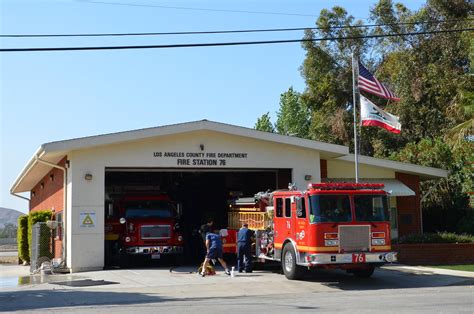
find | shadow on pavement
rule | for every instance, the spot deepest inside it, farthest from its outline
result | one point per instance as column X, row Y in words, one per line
column 385, row 279
column 57, row 299
column 43, row 299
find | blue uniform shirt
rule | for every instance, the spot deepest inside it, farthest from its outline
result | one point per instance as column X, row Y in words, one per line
column 214, row 241
column 244, row 235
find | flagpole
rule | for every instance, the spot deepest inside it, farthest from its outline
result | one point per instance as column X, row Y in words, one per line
column 354, row 109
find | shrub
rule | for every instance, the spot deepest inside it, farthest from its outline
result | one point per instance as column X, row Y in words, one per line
column 33, row 218
column 22, row 239
column 439, row 237
column 466, row 224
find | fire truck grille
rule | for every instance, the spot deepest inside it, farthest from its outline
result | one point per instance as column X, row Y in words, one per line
column 354, row 238
column 155, row 232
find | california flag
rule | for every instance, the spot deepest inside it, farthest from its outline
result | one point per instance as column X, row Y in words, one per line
column 371, row 115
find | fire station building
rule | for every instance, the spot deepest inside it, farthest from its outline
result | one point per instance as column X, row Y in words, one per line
column 201, row 165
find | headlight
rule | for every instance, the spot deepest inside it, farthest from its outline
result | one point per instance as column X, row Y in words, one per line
column 180, row 238
column 391, row 257
column 378, row 241
column 331, row 242
column 127, row 239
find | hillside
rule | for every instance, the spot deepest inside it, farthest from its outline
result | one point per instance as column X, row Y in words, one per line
column 8, row 215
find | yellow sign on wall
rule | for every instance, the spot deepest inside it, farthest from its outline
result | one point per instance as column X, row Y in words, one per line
column 87, row 220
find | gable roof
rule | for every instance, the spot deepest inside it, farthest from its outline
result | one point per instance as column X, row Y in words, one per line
column 53, row 152
column 120, row 137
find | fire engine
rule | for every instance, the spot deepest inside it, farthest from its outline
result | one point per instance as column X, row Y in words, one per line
column 144, row 224
column 329, row 225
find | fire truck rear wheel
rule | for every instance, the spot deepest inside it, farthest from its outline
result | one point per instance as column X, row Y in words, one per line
column 288, row 262
column 363, row 273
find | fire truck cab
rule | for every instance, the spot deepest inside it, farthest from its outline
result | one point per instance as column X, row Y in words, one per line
column 329, row 225
column 145, row 224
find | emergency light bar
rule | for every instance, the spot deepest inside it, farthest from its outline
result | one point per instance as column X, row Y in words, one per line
column 345, row 186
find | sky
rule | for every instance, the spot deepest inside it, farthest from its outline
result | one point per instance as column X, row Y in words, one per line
column 50, row 96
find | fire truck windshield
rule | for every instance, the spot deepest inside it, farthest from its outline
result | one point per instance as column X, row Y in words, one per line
column 149, row 209
column 330, row 208
column 371, row 208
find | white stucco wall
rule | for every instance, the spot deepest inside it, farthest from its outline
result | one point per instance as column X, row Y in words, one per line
column 345, row 169
column 85, row 246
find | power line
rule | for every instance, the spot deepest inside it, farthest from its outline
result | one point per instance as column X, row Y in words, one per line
column 227, row 31
column 229, row 43
column 194, row 8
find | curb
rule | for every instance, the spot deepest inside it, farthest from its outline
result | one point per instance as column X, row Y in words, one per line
column 438, row 271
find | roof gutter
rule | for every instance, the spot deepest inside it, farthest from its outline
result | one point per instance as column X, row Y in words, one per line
column 33, row 161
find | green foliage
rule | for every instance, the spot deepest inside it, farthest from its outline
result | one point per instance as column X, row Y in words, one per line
column 264, row 124
column 431, row 73
column 439, row 237
column 33, row 218
column 328, row 75
column 22, row 239
column 293, row 116
column 445, row 202
column 466, row 223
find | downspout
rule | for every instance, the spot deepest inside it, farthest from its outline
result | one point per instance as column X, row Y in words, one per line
column 64, row 169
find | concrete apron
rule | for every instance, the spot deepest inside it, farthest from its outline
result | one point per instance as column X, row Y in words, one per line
column 172, row 284
column 185, row 282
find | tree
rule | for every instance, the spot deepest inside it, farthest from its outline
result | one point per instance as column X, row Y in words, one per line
column 429, row 72
column 445, row 201
column 264, row 124
column 432, row 75
column 293, row 115
column 328, row 75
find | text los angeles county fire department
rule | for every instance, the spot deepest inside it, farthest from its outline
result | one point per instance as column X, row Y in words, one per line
column 200, row 159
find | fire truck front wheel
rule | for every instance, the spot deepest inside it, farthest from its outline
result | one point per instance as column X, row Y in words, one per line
column 288, row 262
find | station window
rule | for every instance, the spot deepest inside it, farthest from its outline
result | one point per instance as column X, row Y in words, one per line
column 279, row 207
column 287, row 207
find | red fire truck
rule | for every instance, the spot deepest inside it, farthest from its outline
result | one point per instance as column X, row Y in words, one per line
column 144, row 225
column 329, row 225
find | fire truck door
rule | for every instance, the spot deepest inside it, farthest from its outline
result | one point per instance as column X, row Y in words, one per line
column 300, row 222
column 280, row 223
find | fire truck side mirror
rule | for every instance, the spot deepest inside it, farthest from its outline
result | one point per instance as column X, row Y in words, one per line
column 179, row 210
column 111, row 210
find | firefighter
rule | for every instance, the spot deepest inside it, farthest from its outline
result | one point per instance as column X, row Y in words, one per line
column 214, row 251
column 205, row 229
column 244, row 244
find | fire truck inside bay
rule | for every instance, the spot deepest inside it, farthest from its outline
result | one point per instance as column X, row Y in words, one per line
column 329, row 225
column 143, row 225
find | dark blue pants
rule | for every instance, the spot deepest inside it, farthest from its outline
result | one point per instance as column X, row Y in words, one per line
column 244, row 257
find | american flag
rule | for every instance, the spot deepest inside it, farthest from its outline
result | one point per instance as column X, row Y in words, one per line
column 368, row 83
